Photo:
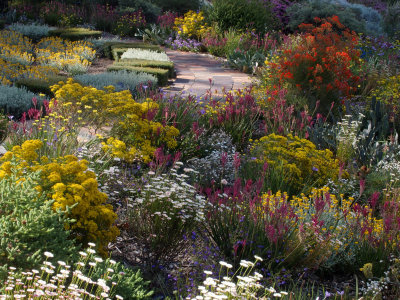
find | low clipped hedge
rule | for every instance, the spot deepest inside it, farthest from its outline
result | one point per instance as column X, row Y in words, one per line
column 39, row 86
column 148, row 64
column 76, row 33
column 121, row 47
column 161, row 74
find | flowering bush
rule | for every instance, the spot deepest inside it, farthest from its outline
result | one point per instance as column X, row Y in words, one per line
column 321, row 66
column 183, row 44
column 128, row 24
column 132, row 122
column 214, row 42
column 191, row 25
column 237, row 115
column 17, row 59
column 73, row 188
column 242, row 285
column 167, row 20
column 388, row 91
column 65, row 15
column 90, row 277
column 297, row 160
column 164, row 209
column 71, row 57
column 16, row 48
column 26, row 217
column 103, row 17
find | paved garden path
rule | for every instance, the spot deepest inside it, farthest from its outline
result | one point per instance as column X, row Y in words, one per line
column 195, row 70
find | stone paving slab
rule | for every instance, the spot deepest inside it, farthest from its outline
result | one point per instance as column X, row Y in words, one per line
column 195, row 70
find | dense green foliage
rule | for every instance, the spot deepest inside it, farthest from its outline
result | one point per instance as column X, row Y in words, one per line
column 40, row 86
column 239, row 14
column 75, row 34
column 28, row 225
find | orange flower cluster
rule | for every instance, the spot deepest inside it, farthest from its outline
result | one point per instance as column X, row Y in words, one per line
column 322, row 64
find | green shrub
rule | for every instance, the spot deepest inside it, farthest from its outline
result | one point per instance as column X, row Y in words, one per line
column 33, row 31
column 356, row 17
column 75, row 33
column 240, row 14
column 2, row 24
column 14, row 101
column 131, row 285
column 151, row 11
column 180, row 6
column 28, row 225
column 121, row 80
column 169, row 65
column 391, row 21
column 39, row 86
column 144, row 54
column 161, row 74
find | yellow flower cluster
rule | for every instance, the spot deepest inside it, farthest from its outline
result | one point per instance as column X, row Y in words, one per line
column 323, row 225
column 16, row 48
column 10, row 72
column 191, row 24
column 388, row 91
column 137, row 135
column 17, row 59
column 68, row 182
column 300, row 163
column 118, row 149
column 71, row 57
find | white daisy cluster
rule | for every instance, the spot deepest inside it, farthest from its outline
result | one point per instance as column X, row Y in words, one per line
column 348, row 130
column 178, row 199
column 242, row 286
column 60, row 281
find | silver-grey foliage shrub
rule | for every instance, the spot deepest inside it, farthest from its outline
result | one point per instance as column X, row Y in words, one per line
column 210, row 167
column 357, row 17
column 136, row 53
column 15, row 101
column 34, row 31
column 121, row 80
column 371, row 17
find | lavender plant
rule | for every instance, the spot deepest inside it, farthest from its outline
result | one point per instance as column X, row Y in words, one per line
column 183, row 44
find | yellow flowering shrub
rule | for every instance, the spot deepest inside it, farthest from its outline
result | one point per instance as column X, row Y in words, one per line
column 71, row 57
column 323, row 229
column 16, row 48
column 298, row 160
column 136, row 136
column 192, row 24
column 68, row 182
column 388, row 91
column 17, row 59
column 10, row 72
